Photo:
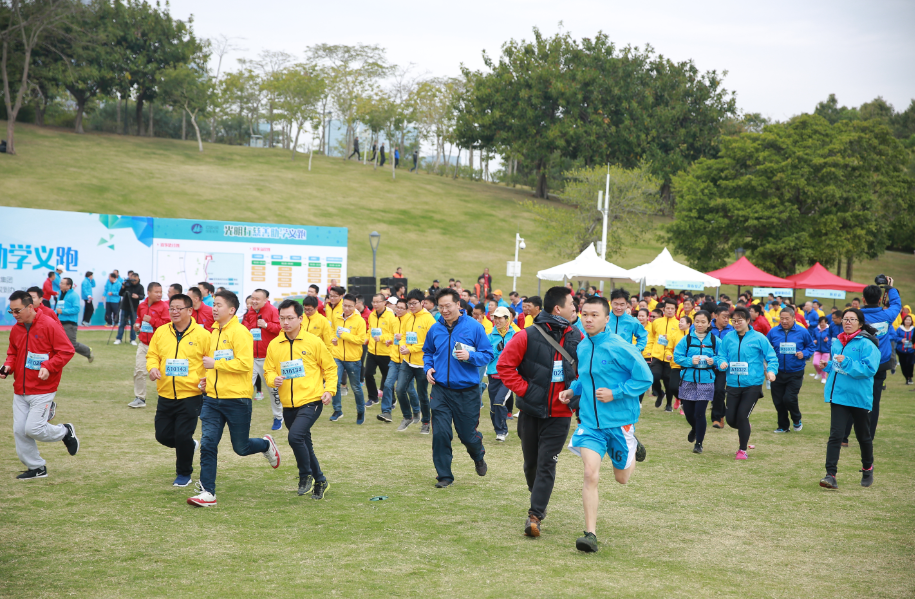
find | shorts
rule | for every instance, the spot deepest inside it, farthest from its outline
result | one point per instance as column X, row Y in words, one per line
column 618, row 442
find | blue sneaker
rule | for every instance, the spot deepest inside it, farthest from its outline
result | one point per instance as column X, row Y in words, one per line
column 277, row 424
column 181, row 481
column 798, row 427
column 360, row 417
column 370, row 402
column 336, row 416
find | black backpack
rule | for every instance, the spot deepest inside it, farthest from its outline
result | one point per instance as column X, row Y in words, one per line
column 688, row 344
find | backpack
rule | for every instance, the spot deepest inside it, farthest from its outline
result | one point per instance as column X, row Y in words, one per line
column 688, row 344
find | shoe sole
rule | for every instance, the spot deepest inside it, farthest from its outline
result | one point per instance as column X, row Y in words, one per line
column 424, row 432
column 640, row 451
column 316, row 498
column 582, row 546
column 196, row 504
column 828, row 486
column 33, row 477
column 182, row 486
column 382, row 418
column 532, row 530
column 139, row 406
column 75, row 438
column 276, row 451
column 438, row 486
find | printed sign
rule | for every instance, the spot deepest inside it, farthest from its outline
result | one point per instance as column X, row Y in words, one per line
column 776, row 291
column 691, row 285
column 825, row 293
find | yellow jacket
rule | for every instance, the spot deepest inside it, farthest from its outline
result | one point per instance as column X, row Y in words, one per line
column 231, row 375
column 396, row 356
column 646, row 353
column 652, row 303
column 331, row 312
column 319, row 366
column 189, row 351
column 418, row 323
column 319, row 326
column 349, row 343
column 663, row 327
column 386, row 326
column 515, row 327
column 672, row 342
column 487, row 325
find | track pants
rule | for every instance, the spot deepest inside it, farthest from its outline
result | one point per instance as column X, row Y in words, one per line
column 275, row 404
column 842, row 417
column 30, row 424
column 542, row 440
column 462, row 408
column 785, row 388
column 741, row 401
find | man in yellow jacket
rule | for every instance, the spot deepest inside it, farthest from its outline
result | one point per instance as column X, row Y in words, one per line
column 383, row 325
column 315, row 322
column 175, row 362
column 416, row 326
column 346, row 348
column 229, row 364
column 299, row 366
column 665, row 329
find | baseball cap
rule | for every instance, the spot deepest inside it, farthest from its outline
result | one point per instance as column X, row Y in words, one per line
column 502, row 312
column 392, row 300
column 497, row 292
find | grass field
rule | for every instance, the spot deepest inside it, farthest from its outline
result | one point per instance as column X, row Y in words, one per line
column 108, row 523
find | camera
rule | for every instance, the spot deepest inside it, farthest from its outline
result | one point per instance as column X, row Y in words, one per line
column 881, row 280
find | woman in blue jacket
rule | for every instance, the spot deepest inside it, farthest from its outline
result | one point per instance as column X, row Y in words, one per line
column 905, row 336
column 850, row 392
column 86, row 294
column 696, row 354
column 822, row 339
column 499, row 337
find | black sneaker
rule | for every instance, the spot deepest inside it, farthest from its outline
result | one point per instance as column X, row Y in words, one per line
column 306, row 484
column 384, row 417
column 587, row 543
column 481, row 467
column 691, row 437
column 867, row 477
column 657, row 402
column 41, row 472
column 443, row 483
column 640, row 451
column 668, row 408
column 829, row 482
column 319, row 490
column 70, row 439
column 697, row 448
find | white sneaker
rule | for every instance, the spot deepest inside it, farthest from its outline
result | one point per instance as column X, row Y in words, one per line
column 133, row 342
column 813, row 374
column 272, row 454
column 823, row 381
column 117, row 342
column 137, row 403
column 501, row 437
column 203, row 498
column 258, row 396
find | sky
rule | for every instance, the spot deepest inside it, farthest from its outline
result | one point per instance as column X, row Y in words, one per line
column 781, row 57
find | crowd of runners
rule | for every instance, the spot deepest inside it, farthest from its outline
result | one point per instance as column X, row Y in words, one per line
column 437, row 354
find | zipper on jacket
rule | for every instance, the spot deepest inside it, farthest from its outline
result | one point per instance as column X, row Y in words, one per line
column 292, row 381
column 216, row 382
column 177, row 347
column 27, row 331
column 739, row 343
column 593, row 385
column 836, row 376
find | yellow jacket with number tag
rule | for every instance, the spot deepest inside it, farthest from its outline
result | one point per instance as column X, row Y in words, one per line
column 320, row 368
column 672, row 341
column 389, row 325
column 646, row 353
column 394, row 348
column 349, row 345
column 193, row 346
column 663, row 326
column 320, row 327
column 231, row 378
column 418, row 323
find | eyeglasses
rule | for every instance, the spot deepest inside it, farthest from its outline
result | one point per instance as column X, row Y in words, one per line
column 850, row 320
column 14, row 310
column 176, row 310
column 412, row 304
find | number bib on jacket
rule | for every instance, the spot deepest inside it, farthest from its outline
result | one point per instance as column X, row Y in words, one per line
column 33, row 361
column 376, row 333
column 906, row 344
column 703, row 363
column 558, row 372
column 177, row 367
column 341, row 330
column 662, row 340
column 787, row 348
column 224, row 354
column 292, row 369
column 145, row 327
column 256, row 333
column 739, row 368
column 882, row 328
column 411, row 338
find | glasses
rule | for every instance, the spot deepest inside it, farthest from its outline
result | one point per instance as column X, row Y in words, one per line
column 176, row 310
column 850, row 320
column 736, row 320
column 412, row 304
column 14, row 310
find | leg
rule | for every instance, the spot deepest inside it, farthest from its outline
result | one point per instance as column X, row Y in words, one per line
column 657, row 371
column 441, row 435
column 862, row 433
column 371, row 365
column 748, row 398
column 365, row 352
column 70, row 329
column 674, row 388
column 591, row 460
column 792, row 390
column 383, row 362
column 186, row 418
column 404, row 383
column 341, row 372
column 688, row 407
column 237, row 413
column 528, row 432
column 879, row 380
column 353, row 369
column 466, row 416
column 299, row 422
column 839, row 416
column 700, row 423
column 164, row 421
column 30, row 424
column 552, row 438
column 212, row 424
column 88, row 311
column 423, row 396
column 122, row 322
column 498, row 394
column 779, row 385
column 139, row 371
column 390, row 381
column 718, row 407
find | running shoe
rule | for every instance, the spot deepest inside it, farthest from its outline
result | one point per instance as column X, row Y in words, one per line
column 117, row 342
column 277, row 424
column 182, row 480
column 424, row 430
column 640, row 451
column 416, row 418
column 258, row 396
column 404, row 424
column 741, row 455
column 32, row 473
column 306, row 484
column 532, row 526
column 336, row 416
column 781, row 430
column 668, row 408
column 823, row 381
column 697, row 448
column 829, row 482
column 443, row 483
column 501, row 437
column 385, row 417
column 659, row 400
column 798, row 427
column 70, row 439
column 360, row 417
column 587, row 543
column 867, row 477
column 320, row 488
column 718, row 423
column 91, row 356
column 137, row 403
column 203, row 498
column 479, row 466
column 133, row 342
column 272, row 455
column 370, row 402
column 691, row 437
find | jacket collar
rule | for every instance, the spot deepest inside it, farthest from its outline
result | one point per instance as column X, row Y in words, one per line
column 190, row 327
column 555, row 323
column 232, row 322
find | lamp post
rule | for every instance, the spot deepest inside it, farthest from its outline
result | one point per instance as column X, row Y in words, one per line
column 374, row 240
column 519, row 244
column 603, row 206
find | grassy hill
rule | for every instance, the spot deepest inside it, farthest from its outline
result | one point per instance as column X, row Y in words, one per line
column 434, row 227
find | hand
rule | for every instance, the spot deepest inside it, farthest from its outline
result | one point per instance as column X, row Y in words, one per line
column 839, row 359
column 4, row 372
column 770, row 376
column 462, row 355
column 209, row 362
column 799, row 355
column 202, row 385
column 710, row 360
column 695, row 360
column 334, row 341
column 388, row 343
column 134, row 296
column 278, row 381
column 262, row 323
column 43, row 374
column 668, row 357
column 724, row 366
column 890, row 281
column 398, row 336
column 404, row 350
column 326, row 398
column 605, row 395
column 147, row 318
column 154, row 374
column 429, row 376
column 136, row 327
column 566, row 396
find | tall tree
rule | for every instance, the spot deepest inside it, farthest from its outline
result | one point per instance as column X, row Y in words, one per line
column 269, row 64
column 189, row 87
column 300, row 89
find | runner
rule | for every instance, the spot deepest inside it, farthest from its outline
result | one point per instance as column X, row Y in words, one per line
column 759, row 320
column 904, row 348
column 264, row 323
column 416, row 327
column 720, row 328
column 151, row 313
column 500, row 333
column 201, row 313
column 793, row 346
column 37, row 353
column 664, row 328
column 49, row 289
column 683, row 325
column 382, row 327
column 112, row 298
column 745, row 356
column 299, row 365
column 314, row 291
column 38, row 304
column 68, row 308
column 349, row 327
column 822, row 341
column 453, row 351
column 623, row 323
column 611, row 376
column 175, row 289
column 229, row 363
column 410, row 407
column 333, row 307
column 85, row 294
column 207, row 290
column 315, row 322
column 697, row 354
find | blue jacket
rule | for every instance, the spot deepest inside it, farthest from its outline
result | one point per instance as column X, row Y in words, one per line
column 609, row 361
column 754, row 349
column 69, row 307
column 704, row 373
column 835, row 330
column 495, row 340
column 627, row 327
column 812, row 318
column 851, row 383
column 713, row 329
column 112, row 291
column 86, row 289
column 797, row 335
column 450, row 372
column 901, row 338
column 822, row 340
column 882, row 319
column 55, row 285
column 516, row 307
column 208, row 300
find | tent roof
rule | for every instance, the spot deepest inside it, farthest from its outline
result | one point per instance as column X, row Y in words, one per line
column 587, row 266
column 743, row 272
column 664, row 269
column 818, row 277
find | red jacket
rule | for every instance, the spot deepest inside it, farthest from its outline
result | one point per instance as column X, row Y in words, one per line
column 204, row 316
column 44, row 336
column 158, row 316
column 272, row 317
column 761, row 324
column 47, row 290
column 45, row 310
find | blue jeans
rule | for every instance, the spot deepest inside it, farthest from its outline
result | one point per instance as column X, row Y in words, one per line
column 299, row 422
column 498, row 395
column 390, row 382
column 214, row 416
column 126, row 315
column 405, row 378
column 352, row 369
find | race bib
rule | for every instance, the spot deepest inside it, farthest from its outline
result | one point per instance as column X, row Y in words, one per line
column 787, row 348
column 411, row 338
column 256, row 333
column 292, row 369
column 176, row 367
column 224, row 354
column 341, row 330
column 739, row 368
column 662, row 340
column 33, row 361
column 376, row 333
column 882, row 328
column 558, row 372
column 397, row 342
column 702, row 362
column 146, row 327
column 906, row 344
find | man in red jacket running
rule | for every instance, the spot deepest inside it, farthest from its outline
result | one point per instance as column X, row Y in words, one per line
column 201, row 313
column 152, row 313
column 264, row 323
column 38, row 351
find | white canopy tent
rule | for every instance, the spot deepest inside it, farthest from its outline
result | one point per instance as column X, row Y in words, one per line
column 588, row 266
column 666, row 271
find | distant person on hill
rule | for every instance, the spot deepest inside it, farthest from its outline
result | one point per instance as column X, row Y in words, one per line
column 396, row 156
column 415, row 160
column 398, row 274
column 374, row 150
column 355, row 150
column 383, row 156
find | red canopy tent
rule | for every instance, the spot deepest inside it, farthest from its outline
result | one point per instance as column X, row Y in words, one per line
column 818, row 277
column 743, row 272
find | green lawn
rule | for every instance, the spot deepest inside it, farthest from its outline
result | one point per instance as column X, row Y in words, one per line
column 107, row 523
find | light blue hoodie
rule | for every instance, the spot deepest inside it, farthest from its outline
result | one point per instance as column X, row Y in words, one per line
column 496, row 339
column 69, row 307
column 86, row 288
column 112, row 291
column 752, row 348
column 704, row 373
column 851, row 383
column 627, row 327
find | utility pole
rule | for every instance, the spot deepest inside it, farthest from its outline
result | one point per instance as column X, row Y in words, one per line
column 603, row 206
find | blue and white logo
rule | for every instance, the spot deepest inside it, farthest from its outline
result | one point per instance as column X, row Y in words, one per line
column 196, row 228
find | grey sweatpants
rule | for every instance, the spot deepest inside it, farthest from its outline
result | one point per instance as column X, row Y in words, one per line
column 274, row 394
column 70, row 330
column 30, row 424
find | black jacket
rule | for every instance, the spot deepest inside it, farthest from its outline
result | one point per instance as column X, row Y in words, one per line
column 542, row 396
column 127, row 290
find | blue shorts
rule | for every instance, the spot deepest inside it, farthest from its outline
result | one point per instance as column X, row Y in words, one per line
column 618, row 442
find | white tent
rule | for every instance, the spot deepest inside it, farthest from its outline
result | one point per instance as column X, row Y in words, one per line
column 664, row 270
column 587, row 267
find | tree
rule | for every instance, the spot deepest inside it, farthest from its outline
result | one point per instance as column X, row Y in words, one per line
column 189, row 87
column 570, row 228
column 434, row 113
column 300, row 90
column 833, row 113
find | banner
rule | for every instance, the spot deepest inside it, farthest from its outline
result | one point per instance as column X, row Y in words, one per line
column 826, row 293
column 242, row 257
column 776, row 291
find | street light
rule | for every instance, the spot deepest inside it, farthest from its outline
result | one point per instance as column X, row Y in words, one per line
column 519, row 244
column 374, row 240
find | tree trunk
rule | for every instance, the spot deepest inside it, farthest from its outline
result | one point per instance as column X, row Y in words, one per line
column 212, row 129
column 80, row 109
column 470, row 162
column 311, row 151
column 839, row 267
column 118, row 126
column 151, row 133
column 270, row 116
column 196, row 129
column 183, row 126
column 447, row 162
column 296, row 144
column 139, row 111
column 126, row 130
column 541, row 190
column 849, row 267
column 457, row 165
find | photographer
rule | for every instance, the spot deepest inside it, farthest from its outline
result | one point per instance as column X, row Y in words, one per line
column 131, row 295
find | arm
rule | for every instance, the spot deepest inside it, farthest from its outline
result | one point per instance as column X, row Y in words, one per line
column 641, row 337
column 484, row 353
column 329, row 368
column 510, row 359
column 63, row 350
column 70, row 308
column 158, row 318
column 810, row 346
column 243, row 346
column 271, row 367
column 680, row 356
column 641, row 378
column 153, row 359
column 770, row 357
column 389, row 325
column 273, row 322
column 890, row 314
column 428, row 352
column 357, row 331
column 865, row 367
column 420, row 338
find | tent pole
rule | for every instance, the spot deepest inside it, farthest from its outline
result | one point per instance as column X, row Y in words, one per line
column 738, row 291
column 717, row 294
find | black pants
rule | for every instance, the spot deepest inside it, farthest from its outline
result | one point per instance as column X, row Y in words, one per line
column 879, row 380
column 510, row 404
column 356, row 154
column 785, row 388
column 721, row 379
column 383, row 158
column 695, row 416
column 741, row 401
column 299, row 422
column 176, row 421
column 462, row 407
column 365, row 353
column 88, row 311
column 674, row 384
column 843, row 417
column 371, row 362
column 661, row 372
column 542, row 440
column 906, row 363
column 111, row 313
